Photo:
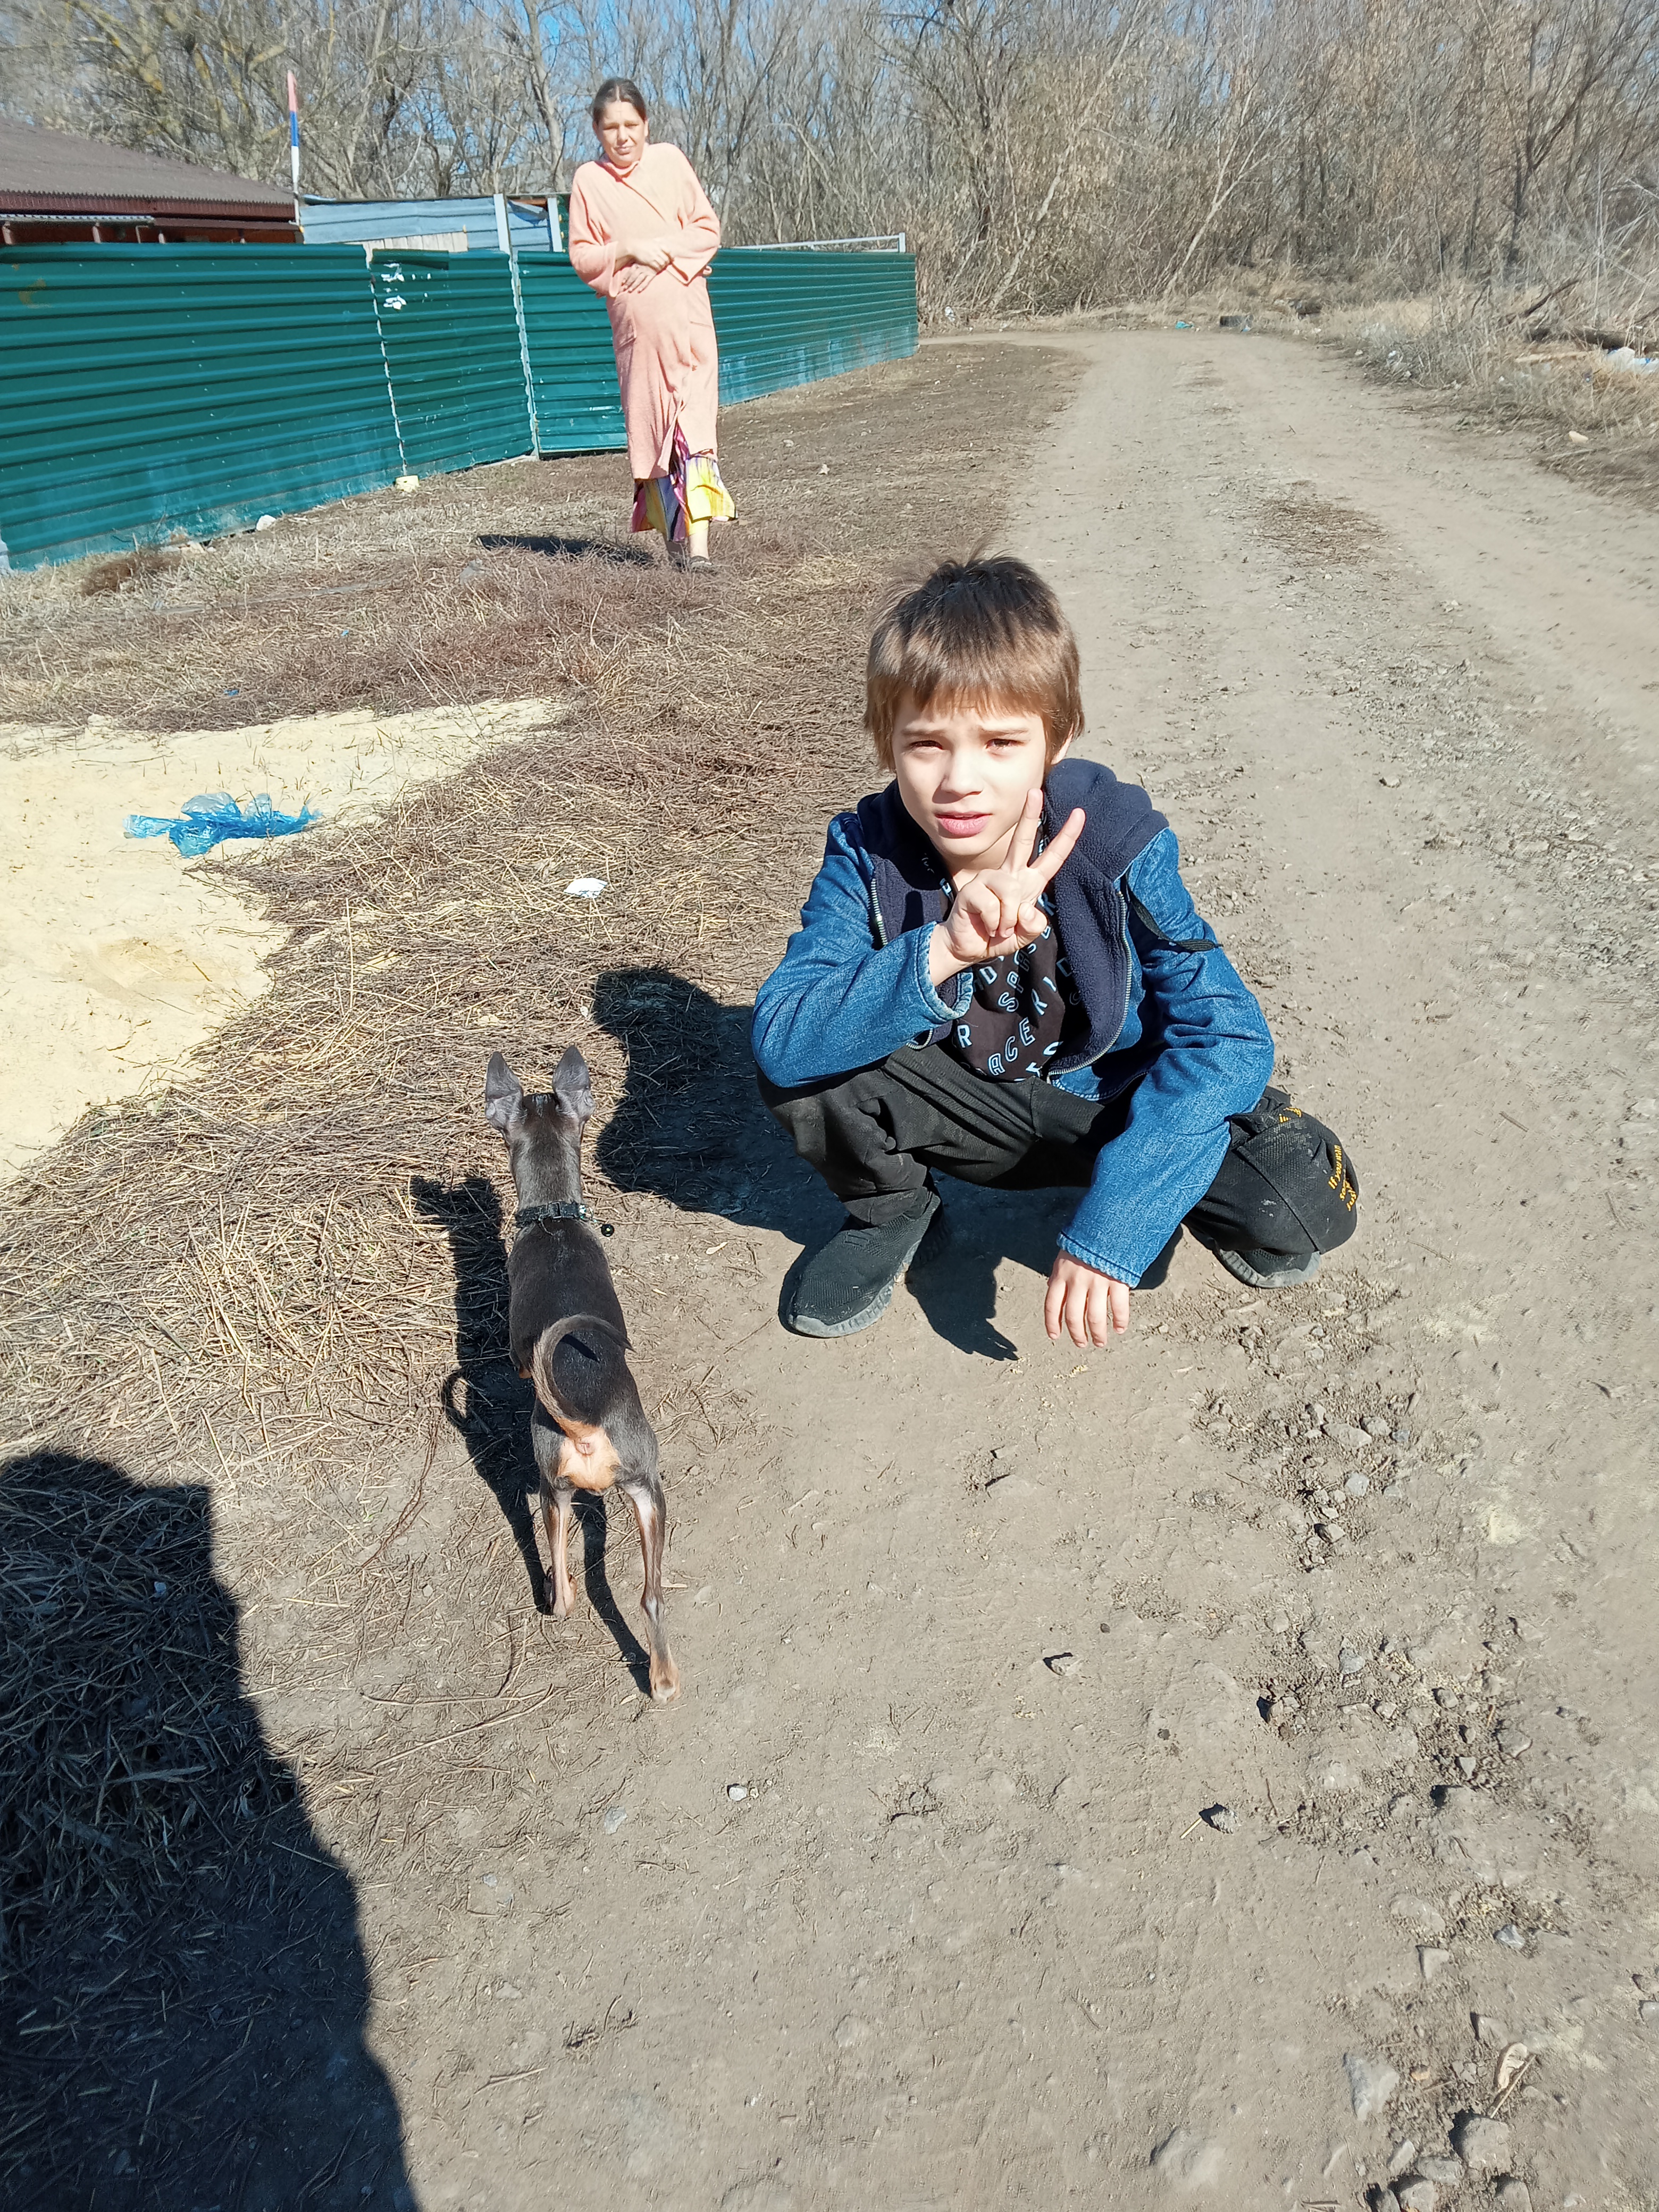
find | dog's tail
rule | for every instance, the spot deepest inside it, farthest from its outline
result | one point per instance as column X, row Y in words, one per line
column 593, row 1447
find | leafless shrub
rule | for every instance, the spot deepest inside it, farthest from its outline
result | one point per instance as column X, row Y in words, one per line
column 1480, row 346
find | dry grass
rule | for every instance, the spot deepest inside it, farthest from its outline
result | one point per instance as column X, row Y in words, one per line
column 274, row 1267
column 1480, row 350
column 489, row 585
column 262, row 1293
column 1318, row 530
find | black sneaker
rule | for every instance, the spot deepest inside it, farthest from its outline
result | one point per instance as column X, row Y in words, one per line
column 846, row 1286
column 1269, row 1271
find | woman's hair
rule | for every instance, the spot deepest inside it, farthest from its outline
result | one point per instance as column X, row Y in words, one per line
column 983, row 632
column 617, row 89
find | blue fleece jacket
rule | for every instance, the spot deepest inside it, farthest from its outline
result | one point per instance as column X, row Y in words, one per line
column 1194, row 1042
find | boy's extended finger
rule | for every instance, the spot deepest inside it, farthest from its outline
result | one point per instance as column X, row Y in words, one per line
column 1050, row 860
column 1053, row 1302
column 1025, row 829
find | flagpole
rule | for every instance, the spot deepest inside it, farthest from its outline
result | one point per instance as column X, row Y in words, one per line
column 294, row 140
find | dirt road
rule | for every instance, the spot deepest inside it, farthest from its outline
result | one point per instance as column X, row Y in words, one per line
column 1224, row 1765
column 982, row 1627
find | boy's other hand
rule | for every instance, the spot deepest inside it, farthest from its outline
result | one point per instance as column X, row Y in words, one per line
column 1087, row 1306
column 995, row 911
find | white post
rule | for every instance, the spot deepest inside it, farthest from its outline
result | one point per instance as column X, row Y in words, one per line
column 386, row 363
column 506, row 237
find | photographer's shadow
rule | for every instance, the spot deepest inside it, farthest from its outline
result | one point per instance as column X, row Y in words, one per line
column 489, row 1406
column 691, row 1129
column 186, row 1993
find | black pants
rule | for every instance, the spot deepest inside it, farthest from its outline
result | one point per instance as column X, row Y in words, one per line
column 1286, row 1186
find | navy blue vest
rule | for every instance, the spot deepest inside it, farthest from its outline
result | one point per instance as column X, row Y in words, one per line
column 910, row 886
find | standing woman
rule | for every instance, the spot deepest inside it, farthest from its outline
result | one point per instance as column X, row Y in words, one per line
column 642, row 234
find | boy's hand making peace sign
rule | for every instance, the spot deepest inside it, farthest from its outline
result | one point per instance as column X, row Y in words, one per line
column 995, row 911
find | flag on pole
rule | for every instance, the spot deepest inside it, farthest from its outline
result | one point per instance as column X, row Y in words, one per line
column 294, row 132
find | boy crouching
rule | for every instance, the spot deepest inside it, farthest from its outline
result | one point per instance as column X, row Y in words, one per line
column 1000, row 975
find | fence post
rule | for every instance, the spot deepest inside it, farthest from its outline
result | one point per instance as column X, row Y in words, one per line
column 503, row 233
column 380, row 332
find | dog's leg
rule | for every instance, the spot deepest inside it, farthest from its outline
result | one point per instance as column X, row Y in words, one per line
column 556, row 1511
column 646, row 1500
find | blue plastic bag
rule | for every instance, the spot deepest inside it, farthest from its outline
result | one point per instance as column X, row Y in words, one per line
column 213, row 816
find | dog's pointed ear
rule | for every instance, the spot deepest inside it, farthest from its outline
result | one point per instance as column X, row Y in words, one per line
column 502, row 1092
column 573, row 1086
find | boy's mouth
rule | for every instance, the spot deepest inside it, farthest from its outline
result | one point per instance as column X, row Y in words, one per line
column 959, row 825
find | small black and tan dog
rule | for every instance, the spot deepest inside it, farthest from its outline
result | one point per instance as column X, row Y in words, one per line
column 570, row 1338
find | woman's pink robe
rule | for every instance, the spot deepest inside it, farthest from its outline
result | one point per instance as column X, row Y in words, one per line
column 661, row 323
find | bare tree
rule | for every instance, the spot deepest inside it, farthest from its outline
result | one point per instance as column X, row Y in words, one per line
column 1040, row 154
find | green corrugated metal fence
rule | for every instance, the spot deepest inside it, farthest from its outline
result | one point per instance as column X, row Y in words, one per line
column 452, row 347
column 781, row 318
column 152, row 388
column 157, row 389
column 573, row 371
column 791, row 318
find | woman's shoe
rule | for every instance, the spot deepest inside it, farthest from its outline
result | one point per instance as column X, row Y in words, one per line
column 703, row 564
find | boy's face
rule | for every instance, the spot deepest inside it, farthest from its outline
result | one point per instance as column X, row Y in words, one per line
column 964, row 774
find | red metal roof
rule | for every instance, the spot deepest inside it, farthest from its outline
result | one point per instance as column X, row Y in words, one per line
column 50, row 173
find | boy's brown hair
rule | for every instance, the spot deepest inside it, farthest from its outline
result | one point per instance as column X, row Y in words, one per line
column 986, row 631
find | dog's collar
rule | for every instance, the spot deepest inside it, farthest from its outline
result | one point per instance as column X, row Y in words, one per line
column 555, row 1209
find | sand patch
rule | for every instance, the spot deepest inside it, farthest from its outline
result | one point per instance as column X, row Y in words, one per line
column 118, row 958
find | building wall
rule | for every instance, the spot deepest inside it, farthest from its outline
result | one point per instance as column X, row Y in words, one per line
column 432, row 224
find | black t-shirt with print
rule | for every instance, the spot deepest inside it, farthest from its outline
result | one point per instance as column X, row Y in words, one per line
column 1024, row 1007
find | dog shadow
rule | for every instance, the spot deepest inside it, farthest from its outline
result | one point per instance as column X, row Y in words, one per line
column 555, row 548
column 489, row 1406
column 691, row 1129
